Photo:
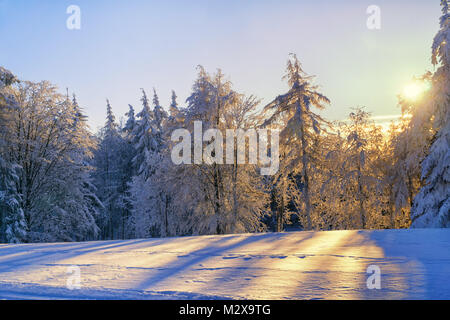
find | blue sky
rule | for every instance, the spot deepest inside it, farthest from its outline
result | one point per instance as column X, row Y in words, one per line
column 127, row 45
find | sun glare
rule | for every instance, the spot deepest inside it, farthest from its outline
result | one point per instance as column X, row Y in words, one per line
column 414, row 90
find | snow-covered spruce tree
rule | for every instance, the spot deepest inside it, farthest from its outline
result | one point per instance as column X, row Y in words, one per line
column 143, row 140
column 409, row 144
column 159, row 121
column 12, row 221
column 158, row 195
column 302, row 124
column 92, row 204
column 173, row 105
column 112, row 162
column 128, row 171
column 137, row 224
column 402, row 178
column 431, row 206
column 147, row 194
column 131, row 121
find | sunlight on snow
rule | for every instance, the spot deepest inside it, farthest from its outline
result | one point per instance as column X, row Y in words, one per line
column 298, row 265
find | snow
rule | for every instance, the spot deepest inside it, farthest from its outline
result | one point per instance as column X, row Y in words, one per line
column 414, row 264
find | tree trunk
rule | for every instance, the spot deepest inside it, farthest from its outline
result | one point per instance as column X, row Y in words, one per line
column 166, row 218
column 235, row 204
column 361, row 201
column 306, row 180
column 280, row 215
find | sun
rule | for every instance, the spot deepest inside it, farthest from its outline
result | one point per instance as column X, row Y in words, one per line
column 415, row 90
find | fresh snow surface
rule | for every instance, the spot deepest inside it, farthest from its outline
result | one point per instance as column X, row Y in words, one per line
column 414, row 264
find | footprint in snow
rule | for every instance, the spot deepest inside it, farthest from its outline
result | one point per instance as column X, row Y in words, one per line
column 230, row 257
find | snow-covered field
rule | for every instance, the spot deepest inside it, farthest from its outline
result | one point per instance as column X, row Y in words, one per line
column 414, row 264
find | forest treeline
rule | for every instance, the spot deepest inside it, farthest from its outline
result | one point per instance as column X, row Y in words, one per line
column 61, row 182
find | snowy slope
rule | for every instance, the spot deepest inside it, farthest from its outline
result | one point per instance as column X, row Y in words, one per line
column 414, row 264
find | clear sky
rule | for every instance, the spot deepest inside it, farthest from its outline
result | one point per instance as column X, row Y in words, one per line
column 127, row 45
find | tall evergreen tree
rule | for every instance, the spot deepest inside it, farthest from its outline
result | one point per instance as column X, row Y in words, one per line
column 111, row 162
column 143, row 134
column 431, row 206
column 173, row 105
column 131, row 121
column 302, row 125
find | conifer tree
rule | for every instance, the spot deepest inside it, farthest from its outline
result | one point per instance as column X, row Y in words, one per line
column 302, row 124
column 431, row 206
